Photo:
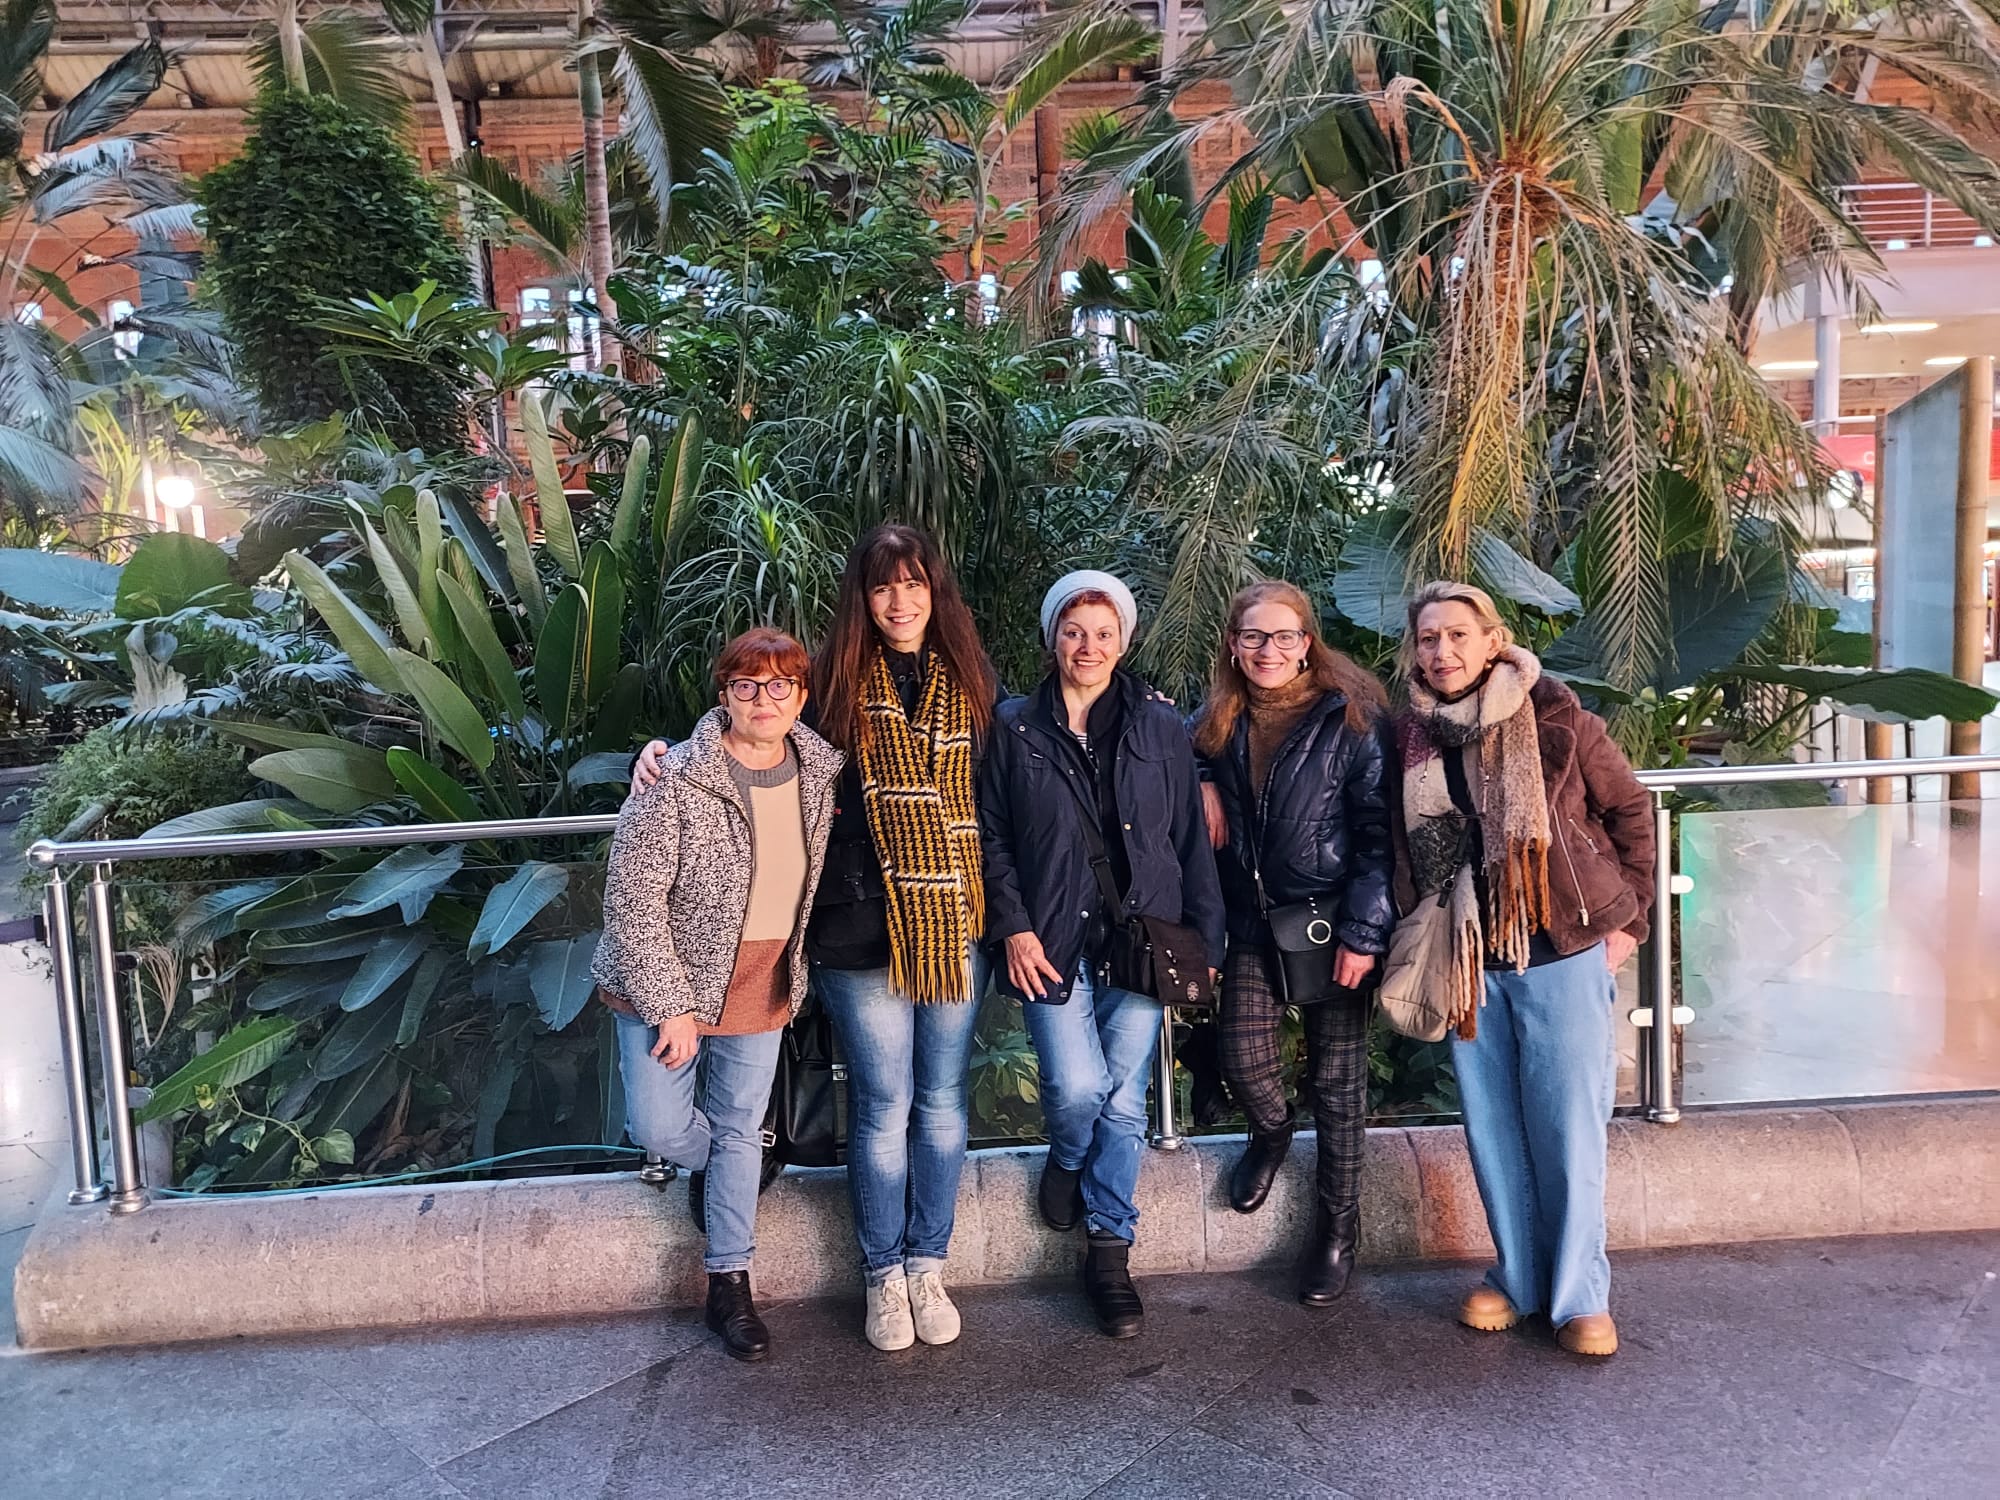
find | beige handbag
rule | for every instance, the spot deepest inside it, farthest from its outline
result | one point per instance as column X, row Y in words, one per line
column 1416, row 992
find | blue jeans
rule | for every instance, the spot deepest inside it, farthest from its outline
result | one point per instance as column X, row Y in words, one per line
column 906, row 1069
column 722, row 1134
column 1536, row 1087
column 1095, row 1056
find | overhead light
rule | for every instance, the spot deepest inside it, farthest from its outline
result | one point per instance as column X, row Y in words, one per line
column 1913, row 327
column 176, row 490
column 1946, row 361
column 1772, row 367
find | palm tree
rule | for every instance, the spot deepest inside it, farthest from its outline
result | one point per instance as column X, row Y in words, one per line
column 1538, row 179
column 82, row 172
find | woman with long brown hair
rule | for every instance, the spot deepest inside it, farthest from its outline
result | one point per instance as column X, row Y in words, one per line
column 1292, row 741
column 903, row 687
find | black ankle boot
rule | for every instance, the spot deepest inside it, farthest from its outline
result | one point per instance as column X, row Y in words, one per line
column 698, row 1199
column 1329, row 1257
column 1060, row 1197
column 1256, row 1169
column 1107, row 1282
column 732, row 1316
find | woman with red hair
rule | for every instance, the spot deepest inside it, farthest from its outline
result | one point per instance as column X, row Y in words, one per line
column 713, row 868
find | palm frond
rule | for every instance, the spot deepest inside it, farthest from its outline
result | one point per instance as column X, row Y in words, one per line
column 344, row 58
column 1074, row 42
column 673, row 112
column 553, row 224
column 109, row 99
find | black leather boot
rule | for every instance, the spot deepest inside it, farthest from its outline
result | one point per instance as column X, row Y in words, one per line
column 1107, row 1282
column 1329, row 1257
column 1256, row 1169
column 1060, row 1196
column 732, row 1316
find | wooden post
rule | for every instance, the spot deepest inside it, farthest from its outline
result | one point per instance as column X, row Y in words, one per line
column 1880, row 739
column 1975, row 461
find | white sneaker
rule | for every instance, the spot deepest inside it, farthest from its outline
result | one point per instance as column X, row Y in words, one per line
column 931, row 1309
column 889, row 1326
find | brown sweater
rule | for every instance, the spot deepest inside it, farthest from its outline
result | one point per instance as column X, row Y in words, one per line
column 1274, row 714
column 759, row 997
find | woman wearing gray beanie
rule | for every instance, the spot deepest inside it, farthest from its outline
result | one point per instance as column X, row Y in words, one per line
column 1090, row 814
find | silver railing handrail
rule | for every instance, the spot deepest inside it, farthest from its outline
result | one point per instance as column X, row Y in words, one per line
column 127, row 1193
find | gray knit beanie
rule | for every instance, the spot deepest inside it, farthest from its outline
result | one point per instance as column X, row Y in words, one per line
column 1086, row 581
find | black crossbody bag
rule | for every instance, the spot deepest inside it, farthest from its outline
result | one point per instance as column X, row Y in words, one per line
column 1148, row 955
column 1303, row 934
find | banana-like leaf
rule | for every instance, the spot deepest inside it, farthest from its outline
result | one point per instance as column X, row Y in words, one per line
column 604, row 586
column 611, row 731
column 430, row 555
column 275, row 736
column 417, row 998
column 302, row 991
column 58, row 580
column 359, row 1038
column 475, row 627
column 560, row 658
column 558, row 530
column 410, row 616
column 392, row 958
column 673, row 503
column 625, row 520
column 559, row 977
column 340, row 780
column 1901, row 696
column 513, row 904
column 170, row 571
column 319, row 950
column 443, row 799
column 521, row 559
column 237, row 1058
column 477, row 538
column 602, row 768
column 360, row 637
column 253, row 816
column 407, row 879
column 446, row 708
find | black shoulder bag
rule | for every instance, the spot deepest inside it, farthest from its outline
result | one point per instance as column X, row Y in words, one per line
column 1303, row 934
column 807, row 1122
column 1148, row 955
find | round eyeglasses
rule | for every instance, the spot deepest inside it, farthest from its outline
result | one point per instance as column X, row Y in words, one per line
column 1284, row 640
column 744, row 689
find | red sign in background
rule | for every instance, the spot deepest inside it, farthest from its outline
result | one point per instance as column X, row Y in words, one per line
column 1856, row 451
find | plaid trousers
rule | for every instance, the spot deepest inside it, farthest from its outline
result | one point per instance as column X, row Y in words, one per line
column 1336, row 1075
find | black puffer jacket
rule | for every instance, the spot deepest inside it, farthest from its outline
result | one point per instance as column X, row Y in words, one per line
column 1323, row 823
column 1035, row 793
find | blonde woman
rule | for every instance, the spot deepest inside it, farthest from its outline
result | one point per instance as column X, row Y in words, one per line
column 1519, row 808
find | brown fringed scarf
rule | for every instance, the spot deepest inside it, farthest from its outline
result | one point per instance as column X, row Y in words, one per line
column 1505, row 776
column 916, row 782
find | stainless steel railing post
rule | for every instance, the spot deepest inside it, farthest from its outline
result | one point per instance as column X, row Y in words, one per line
column 1166, row 1134
column 69, row 1022
column 1663, row 1107
column 127, row 1193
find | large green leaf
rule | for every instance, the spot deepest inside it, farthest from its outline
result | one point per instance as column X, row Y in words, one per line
column 477, row 538
column 409, row 612
column 449, row 712
column 513, row 904
column 358, row 1038
column 393, row 956
column 275, row 736
column 360, row 637
column 611, row 731
column 674, row 502
column 406, row 879
column 559, row 977
column 604, row 586
column 561, row 657
column 1511, row 576
column 1903, row 696
column 430, row 555
column 323, row 950
column 170, row 570
column 520, row 559
column 214, row 914
column 237, row 1058
column 443, row 799
column 339, row 780
column 298, row 983
column 253, row 816
column 417, row 998
column 632, row 497
column 58, row 580
column 558, row 530
column 475, row 626
column 1372, row 581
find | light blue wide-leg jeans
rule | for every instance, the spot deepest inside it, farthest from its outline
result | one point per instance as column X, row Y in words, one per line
column 1536, row 1087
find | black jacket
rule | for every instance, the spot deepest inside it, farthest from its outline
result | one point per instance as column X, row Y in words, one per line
column 1323, row 826
column 1035, row 792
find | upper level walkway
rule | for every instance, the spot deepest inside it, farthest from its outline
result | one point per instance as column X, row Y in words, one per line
column 1821, row 1368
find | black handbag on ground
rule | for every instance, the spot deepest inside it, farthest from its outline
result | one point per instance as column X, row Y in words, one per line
column 1148, row 955
column 806, row 1125
column 1302, row 933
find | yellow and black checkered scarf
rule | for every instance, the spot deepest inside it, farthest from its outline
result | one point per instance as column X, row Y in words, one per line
column 916, row 782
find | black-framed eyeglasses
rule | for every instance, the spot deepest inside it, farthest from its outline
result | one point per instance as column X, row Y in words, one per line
column 777, row 689
column 1284, row 640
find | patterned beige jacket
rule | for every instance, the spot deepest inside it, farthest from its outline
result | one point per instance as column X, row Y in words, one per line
column 678, row 885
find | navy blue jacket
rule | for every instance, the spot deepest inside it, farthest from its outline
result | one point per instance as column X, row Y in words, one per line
column 1034, row 795
column 1325, row 825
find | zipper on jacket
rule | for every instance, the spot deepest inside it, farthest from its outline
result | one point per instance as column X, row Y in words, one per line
column 1264, row 792
column 1582, row 911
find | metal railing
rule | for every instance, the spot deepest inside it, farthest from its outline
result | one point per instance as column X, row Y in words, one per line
column 1906, row 216
column 127, row 1192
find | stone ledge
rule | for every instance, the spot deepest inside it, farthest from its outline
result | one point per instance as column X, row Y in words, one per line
column 568, row 1246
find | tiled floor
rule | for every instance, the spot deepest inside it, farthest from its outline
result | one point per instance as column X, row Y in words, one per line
column 1855, row 1367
